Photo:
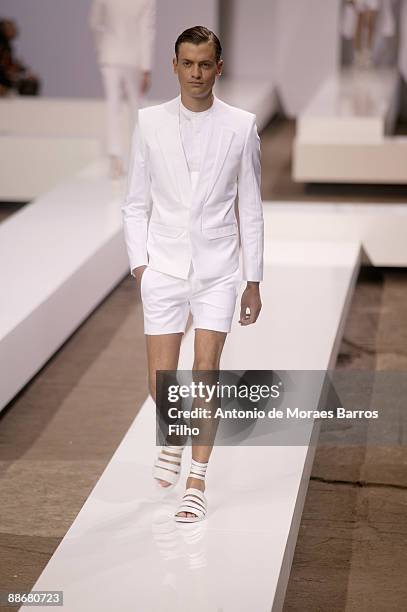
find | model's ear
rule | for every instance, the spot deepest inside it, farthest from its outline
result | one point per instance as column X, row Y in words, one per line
column 219, row 67
column 174, row 63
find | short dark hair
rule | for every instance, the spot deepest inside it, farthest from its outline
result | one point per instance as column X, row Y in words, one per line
column 197, row 35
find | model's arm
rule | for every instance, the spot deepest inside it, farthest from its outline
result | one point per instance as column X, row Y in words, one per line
column 137, row 203
column 147, row 38
column 96, row 17
column 97, row 22
column 251, row 225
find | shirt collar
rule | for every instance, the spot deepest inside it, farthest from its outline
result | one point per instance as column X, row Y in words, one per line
column 188, row 114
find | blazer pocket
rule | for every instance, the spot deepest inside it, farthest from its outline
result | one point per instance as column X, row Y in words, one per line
column 220, row 231
column 171, row 231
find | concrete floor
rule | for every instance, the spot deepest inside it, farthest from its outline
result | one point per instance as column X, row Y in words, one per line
column 57, row 436
column 9, row 208
column 350, row 554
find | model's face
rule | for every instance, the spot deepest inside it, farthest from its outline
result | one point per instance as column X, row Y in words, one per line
column 197, row 68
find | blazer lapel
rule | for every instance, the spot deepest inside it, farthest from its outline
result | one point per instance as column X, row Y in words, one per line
column 215, row 150
column 169, row 139
column 216, row 147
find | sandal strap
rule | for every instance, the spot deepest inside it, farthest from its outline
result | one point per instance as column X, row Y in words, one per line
column 194, row 498
column 193, row 501
column 198, row 470
column 168, row 465
column 174, row 450
column 190, row 505
column 197, row 492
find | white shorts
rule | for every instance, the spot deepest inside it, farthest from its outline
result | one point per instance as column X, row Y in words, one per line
column 367, row 5
column 167, row 301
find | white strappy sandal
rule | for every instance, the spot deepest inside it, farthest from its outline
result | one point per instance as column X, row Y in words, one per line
column 168, row 466
column 194, row 500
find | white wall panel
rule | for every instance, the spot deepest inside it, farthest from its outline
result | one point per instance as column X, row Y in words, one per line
column 295, row 44
column 56, row 42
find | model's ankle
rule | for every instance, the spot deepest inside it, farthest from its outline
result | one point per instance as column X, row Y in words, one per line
column 196, row 483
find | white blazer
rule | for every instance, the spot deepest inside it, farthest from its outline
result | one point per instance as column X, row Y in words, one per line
column 166, row 223
column 124, row 31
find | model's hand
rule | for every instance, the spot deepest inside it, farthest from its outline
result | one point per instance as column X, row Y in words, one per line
column 251, row 300
column 138, row 273
column 145, row 82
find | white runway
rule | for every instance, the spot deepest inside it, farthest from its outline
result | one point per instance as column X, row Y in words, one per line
column 125, row 552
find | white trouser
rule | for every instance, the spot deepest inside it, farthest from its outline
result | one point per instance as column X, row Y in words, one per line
column 168, row 300
column 367, row 5
column 116, row 80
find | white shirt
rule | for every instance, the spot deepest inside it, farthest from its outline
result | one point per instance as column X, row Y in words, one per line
column 194, row 132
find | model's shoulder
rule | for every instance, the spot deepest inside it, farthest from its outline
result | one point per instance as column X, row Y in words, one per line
column 157, row 110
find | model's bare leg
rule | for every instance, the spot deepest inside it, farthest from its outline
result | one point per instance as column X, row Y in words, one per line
column 162, row 354
column 364, row 38
column 112, row 82
column 208, row 348
column 370, row 26
column 359, row 34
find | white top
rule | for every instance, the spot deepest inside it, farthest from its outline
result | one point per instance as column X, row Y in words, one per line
column 124, row 31
column 194, row 133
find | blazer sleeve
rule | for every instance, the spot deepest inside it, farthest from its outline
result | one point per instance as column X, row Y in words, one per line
column 250, row 207
column 147, row 35
column 136, row 207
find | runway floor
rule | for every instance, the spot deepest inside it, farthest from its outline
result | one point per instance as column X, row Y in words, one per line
column 337, row 559
column 42, row 489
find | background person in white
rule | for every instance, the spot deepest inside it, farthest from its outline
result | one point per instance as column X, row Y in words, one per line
column 191, row 158
column 124, row 32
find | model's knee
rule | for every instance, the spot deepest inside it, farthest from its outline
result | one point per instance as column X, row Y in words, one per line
column 206, row 364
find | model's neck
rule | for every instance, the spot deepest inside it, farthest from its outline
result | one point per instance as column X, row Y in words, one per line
column 197, row 105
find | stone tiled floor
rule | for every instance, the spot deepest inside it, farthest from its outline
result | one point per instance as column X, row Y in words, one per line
column 59, row 433
column 350, row 554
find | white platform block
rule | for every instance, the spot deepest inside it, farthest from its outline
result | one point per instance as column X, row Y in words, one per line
column 46, row 140
column 258, row 97
column 124, row 551
column 344, row 134
column 351, row 106
column 31, row 165
column 380, row 228
column 39, row 116
column 59, row 257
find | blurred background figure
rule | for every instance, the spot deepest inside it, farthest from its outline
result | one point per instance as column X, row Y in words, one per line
column 367, row 11
column 360, row 23
column 15, row 77
column 124, row 33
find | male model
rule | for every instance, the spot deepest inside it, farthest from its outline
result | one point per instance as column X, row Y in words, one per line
column 124, row 33
column 194, row 160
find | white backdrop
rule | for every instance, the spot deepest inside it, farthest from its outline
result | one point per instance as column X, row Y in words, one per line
column 56, row 42
column 295, row 43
